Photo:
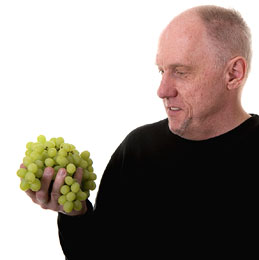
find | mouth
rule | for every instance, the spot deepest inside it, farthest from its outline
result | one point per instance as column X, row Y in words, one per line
column 173, row 111
column 174, row 108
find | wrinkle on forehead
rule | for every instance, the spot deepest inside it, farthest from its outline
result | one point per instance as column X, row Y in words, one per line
column 185, row 36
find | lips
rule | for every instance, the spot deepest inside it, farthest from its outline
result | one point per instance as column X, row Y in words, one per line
column 171, row 107
column 174, row 108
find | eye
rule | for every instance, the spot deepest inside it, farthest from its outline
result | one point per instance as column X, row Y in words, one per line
column 161, row 71
column 179, row 72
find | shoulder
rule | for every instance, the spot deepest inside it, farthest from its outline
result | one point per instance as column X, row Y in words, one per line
column 252, row 126
column 148, row 131
column 144, row 138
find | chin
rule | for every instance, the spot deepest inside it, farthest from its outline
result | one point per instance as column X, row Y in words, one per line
column 178, row 127
column 175, row 128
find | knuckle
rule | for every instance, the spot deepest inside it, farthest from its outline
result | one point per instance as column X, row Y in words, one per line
column 41, row 197
column 44, row 206
column 55, row 196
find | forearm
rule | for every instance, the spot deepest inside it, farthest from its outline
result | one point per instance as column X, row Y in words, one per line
column 84, row 236
column 75, row 234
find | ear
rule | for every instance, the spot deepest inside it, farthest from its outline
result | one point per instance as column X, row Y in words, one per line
column 236, row 72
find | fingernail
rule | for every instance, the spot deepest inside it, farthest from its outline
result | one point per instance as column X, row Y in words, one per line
column 62, row 172
column 48, row 171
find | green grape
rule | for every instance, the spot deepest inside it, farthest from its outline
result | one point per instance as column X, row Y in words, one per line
column 49, row 144
column 32, row 167
column 81, row 195
column 69, row 180
column 39, row 163
column 76, row 159
column 70, row 196
column 26, row 161
column 93, row 186
column 90, row 162
column 62, row 199
column 35, row 156
column 68, row 206
column 92, row 176
column 83, row 164
column 86, row 175
column 24, row 185
column 62, row 161
column 64, row 189
column 89, row 185
column 29, row 145
column 77, row 205
column 76, row 152
column 71, row 168
column 28, row 152
column 66, row 147
column 35, row 186
column 49, row 162
column 53, row 139
column 90, row 169
column 59, row 141
column 52, row 152
column 21, row 172
column 29, row 177
column 38, row 147
column 70, row 158
column 39, row 173
column 41, row 139
column 33, row 146
column 85, row 155
column 44, row 155
column 62, row 152
column 75, row 187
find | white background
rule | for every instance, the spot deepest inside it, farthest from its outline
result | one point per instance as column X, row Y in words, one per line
column 83, row 70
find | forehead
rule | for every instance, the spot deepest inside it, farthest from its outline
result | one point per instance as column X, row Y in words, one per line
column 182, row 41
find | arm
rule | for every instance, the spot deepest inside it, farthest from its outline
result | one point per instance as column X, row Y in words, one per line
column 75, row 234
column 80, row 232
column 88, row 235
column 70, row 224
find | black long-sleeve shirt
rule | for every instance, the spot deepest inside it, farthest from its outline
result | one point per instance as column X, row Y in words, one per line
column 162, row 194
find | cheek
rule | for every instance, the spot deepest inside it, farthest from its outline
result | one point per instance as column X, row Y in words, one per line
column 199, row 100
column 204, row 93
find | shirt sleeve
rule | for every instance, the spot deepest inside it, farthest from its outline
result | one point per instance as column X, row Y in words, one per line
column 75, row 233
column 82, row 236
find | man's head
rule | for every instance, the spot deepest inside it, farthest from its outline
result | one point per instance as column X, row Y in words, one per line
column 204, row 55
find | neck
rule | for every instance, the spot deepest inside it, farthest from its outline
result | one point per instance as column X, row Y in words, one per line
column 214, row 126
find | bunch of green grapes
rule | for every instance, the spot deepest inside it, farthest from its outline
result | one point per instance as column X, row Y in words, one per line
column 58, row 154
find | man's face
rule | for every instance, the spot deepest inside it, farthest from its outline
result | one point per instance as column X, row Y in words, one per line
column 192, row 88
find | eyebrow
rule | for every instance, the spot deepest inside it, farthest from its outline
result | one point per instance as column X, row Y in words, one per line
column 176, row 65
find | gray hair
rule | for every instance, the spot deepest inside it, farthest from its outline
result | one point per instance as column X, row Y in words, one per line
column 228, row 31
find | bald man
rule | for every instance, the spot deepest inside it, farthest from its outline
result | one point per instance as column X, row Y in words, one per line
column 187, row 183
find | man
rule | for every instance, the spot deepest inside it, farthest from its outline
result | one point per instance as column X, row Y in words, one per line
column 188, row 182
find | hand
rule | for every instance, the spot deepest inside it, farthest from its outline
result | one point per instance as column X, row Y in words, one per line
column 48, row 199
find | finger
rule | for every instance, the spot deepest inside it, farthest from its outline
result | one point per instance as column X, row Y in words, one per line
column 32, row 195
column 22, row 166
column 59, row 181
column 79, row 174
column 42, row 195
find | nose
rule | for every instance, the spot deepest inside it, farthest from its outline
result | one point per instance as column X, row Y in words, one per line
column 167, row 87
